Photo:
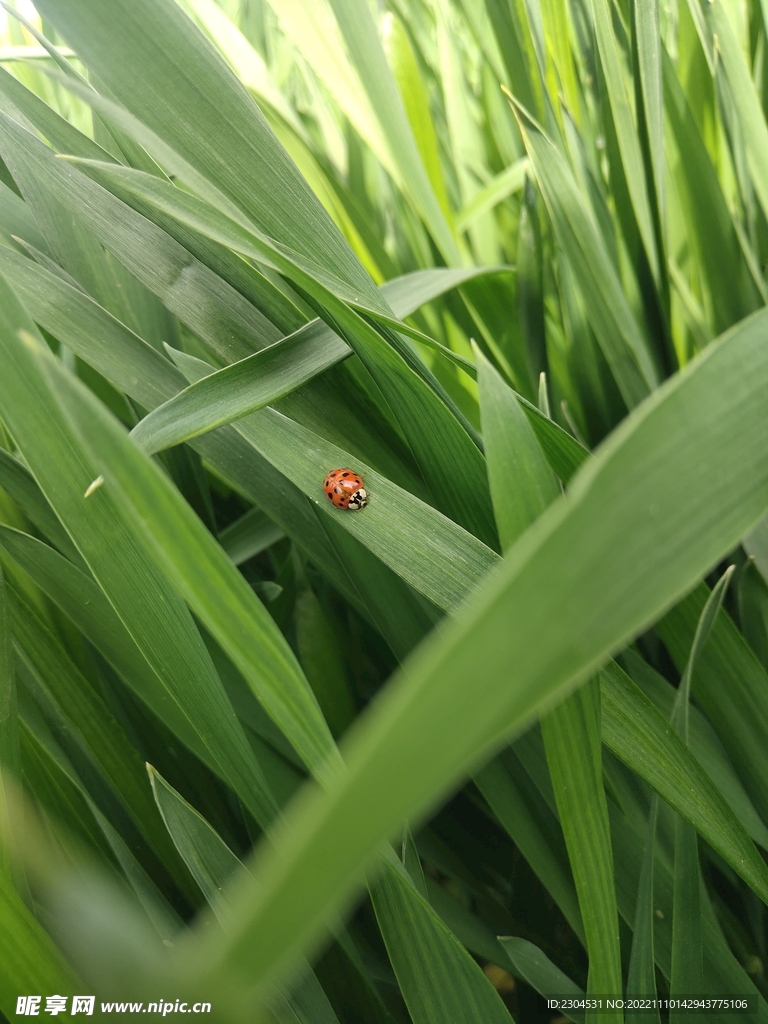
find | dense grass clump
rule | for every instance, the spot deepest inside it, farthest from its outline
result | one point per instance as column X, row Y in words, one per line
column 498, row 734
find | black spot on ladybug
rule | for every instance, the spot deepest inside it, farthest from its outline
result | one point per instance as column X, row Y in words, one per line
column 345, row 474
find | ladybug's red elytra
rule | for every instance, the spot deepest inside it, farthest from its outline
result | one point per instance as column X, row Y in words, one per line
column 344, row 489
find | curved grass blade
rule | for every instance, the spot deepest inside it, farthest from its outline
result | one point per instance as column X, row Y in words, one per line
column 530, row 964
column 504, row 184
column 521, row 481
column 704, row 744
column 438, row 978
column 639, row 736
column 213, row 865
column 242, row 388
column 731, row 685
column 19, row 483
column 687, row 973
column 249, row 535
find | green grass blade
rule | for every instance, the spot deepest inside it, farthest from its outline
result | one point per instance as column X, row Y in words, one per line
column 405, row 70
column 209, row 859
column 229, row 323
column 501, row 187
column 409, row 292
column 704, row 627
column 213, row 866
column 704, row 744
column 521, row 481
column 572, row 741
column 723, row 972
column 638, row 735
column 439, row 980
column 78, row 321
column 615, row 327
column 216, row 126
column 249, row 535
column 72, row 243
column 533, row 966
column 516, row 46
column 626, row 131
column 245, row 59
column 362, row 39
column 522, row 486
column 728, row 667
column 687, row 971
column 641, row 979
column 530, row 282
column 16, row 221
column 10, row 754
column 532, row 831
column 242, row 388
column 86, row 727
column 17, row 99
column 745, row 100
column 19, row 483
column 708, row 225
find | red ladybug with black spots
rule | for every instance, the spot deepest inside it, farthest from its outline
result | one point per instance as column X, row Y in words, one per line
column 344, row 489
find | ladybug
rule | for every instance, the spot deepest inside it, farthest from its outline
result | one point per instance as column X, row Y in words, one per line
column 344, row 489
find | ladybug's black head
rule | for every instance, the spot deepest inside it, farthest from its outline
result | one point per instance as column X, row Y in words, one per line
column 358, row 500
